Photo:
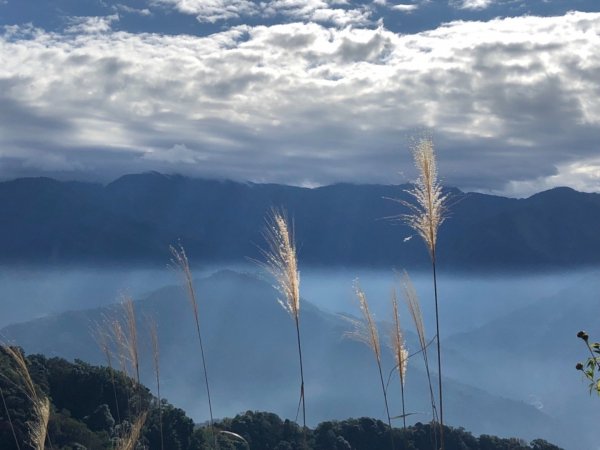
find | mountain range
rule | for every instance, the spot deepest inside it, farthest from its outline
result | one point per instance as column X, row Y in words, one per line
column 136, row 218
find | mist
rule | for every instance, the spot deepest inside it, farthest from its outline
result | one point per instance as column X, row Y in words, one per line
column 30, row 292
column 509, row 340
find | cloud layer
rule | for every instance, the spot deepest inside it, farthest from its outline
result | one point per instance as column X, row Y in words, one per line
column 336, row 12
column 514, row 104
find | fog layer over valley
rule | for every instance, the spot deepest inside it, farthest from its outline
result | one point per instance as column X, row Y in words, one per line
column 509, row 342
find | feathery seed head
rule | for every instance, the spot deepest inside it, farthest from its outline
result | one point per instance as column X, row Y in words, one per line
column 38, row 426
column 429, row 207
column 130, row 440
column 131, row 337
column 364, row 330
column 282, row 261
column 180, row 261
column 412, row 301
column 398, row 343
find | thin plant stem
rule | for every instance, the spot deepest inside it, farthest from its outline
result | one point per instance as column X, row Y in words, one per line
column 439, row 351
column 12, row 428
column 403, row 407
column 180, row 259
column 131, row 346
column 282, row 263
column 38, row 428
column 103, row 342
column 399, row 350
column 412, row 301
column 365, row 331
column 156, row 360
column 426, row 214
column 304, row 440
column 385, row 399
column 301, row 373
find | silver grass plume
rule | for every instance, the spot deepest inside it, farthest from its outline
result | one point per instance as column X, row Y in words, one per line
column 427, row 214
column 366, row 331
column 38, row 427
column 398, row 346
column 102, row 338
column 429, row 207
column 180, row 261
column 122, row 332
column 130, row 440
column 281, row 261
column 153, row 330
column 412, row 301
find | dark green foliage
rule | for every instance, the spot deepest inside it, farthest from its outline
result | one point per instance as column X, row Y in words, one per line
column 178, row 429
column 17, row 402
column 66, row 432
column 83, row 407
column 83, row 416
column 264, row 430
column 540, row 444
column 591, row 367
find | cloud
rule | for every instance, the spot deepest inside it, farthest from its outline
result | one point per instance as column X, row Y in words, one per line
column 405, row 7
column 513, row 103
column 100, row 24
column 583, row 175
column 177, row 154
column 474, row 4
column 128, row 9
column 335, row 12
column 213, row 10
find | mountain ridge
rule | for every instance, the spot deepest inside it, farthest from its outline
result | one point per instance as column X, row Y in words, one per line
column 135, row 218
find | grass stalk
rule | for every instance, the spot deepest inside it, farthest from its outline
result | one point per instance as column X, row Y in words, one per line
column 12, row 427
column 412, row 301
column 129, row 441
column 102, row 339
column 439, row 350
column 180, row 260
column 131, row 349
column 427, row 215
column 365, row 331
column 126, row 340
column 400, row 352
column 282, row 264
column 153, row 329
column 38, row 427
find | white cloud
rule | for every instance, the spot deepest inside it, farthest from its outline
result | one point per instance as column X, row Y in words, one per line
column 510, row 101
column 128, row 9
column 212, row 10
column 581, row 175
column 177, row 154
column 405, row 7
column 92, row 24
column 475, row 4
column 322, row 11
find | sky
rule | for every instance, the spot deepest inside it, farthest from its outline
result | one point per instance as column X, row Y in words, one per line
column 307, row 93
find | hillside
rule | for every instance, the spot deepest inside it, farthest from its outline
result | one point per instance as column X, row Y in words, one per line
column 91, row 407
column 249, row 341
